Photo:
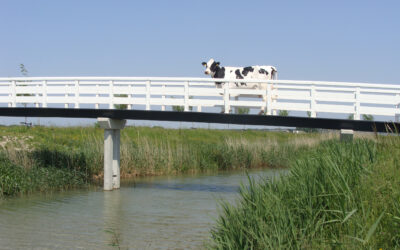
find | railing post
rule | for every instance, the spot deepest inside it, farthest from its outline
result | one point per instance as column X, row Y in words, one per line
column 148, row 95
column 130, row 96
column 96, row 106
column 186, row 97
column 163, row 97
column 357, row 104
column 236, row 107
column 111, row 101
column 13, row 95
column 269, row 99
column 76, row 94
column 66, row 95
column 37, row 96
column 44, row 100
column 397, row 108
column 226, row 98
column 273, row 98
column 313, row 102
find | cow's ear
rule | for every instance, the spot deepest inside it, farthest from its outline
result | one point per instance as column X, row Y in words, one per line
column 204, row 63
column 217, row 63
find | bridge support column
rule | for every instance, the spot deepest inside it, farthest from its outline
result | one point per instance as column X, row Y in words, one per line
column 346, row 134
column 112, row 129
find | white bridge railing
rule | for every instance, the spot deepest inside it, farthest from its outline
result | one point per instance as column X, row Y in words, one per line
column 156, row 93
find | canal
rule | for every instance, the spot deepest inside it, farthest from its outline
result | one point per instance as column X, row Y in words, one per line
column 146, row 213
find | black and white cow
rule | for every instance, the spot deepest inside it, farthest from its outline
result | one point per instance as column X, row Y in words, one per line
column 214, row 69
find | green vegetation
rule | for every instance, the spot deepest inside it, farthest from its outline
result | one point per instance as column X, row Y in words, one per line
column 15, row 179
column 243, row 111
column 182, row 108
column 121, row 106
column 364, row 117
column 283, row 113
column 337, row 196
column 367, row 117
column 77, row 153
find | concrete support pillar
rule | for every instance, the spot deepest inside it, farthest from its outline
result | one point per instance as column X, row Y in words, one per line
column 346, row 134
column 116, row 159
column 112, row 129
column 108, row 159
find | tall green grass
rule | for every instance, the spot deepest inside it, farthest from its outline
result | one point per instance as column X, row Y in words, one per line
column 153, row 151
column 144, row 151
column 337, row 195
column 15, row 179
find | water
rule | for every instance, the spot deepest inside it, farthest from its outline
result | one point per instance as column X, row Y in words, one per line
column 148, row 213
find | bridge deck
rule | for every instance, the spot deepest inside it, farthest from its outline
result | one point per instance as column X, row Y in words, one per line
column 266, row 120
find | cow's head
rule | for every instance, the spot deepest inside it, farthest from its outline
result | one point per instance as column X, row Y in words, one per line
column 211, row 67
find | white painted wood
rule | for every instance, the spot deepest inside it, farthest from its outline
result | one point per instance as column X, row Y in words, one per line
column 397, row 108
column 163, row 97
column 111, row 95
column 226, row 99
column 96, row 105
column 66, row 95
column 13, row 94
column 269, row 100
column 186, row 97
column 148, row 95
column 357, row 104
column 44, row 93
column 236, row 106
column 313, row 102
column 37, row 101
column 76, row 105
column 313, row 96
column 274, row 99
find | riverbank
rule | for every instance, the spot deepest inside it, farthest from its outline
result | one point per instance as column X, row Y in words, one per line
column 43, row 158
column 337, row 195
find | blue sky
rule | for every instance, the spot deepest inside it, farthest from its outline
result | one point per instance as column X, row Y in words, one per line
column 305, row 40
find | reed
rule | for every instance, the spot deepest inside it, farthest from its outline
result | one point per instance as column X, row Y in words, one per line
column 148, row 151
column 337, row 195
column 16, row 180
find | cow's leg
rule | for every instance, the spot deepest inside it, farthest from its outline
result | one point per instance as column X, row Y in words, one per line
column 262, row 111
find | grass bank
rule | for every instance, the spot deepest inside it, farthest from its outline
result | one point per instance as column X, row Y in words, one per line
column 41, row 158
column 337, row 196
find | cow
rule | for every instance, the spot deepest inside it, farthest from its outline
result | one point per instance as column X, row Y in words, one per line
column 214, row 69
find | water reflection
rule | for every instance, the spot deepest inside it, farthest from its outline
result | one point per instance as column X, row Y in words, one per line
column 164, row 212
column 112, row 214
column 190, row 187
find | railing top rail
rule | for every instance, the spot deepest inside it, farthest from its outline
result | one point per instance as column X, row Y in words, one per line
column 194, row 79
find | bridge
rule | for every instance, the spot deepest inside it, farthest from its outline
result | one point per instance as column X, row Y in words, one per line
column 114, row 99
column 195, row 94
